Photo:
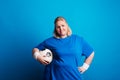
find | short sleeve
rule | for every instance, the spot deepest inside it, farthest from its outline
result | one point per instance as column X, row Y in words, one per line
column 86, row 48
column 41, row 46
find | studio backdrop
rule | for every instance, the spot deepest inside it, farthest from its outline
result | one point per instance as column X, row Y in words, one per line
column 26, row 23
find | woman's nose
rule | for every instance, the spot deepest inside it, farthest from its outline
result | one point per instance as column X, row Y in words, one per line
column 60, row 27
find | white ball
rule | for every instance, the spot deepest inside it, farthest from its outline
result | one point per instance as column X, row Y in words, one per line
column 47, row 55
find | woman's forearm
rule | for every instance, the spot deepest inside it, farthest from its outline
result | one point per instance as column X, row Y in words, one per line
column 89, row 59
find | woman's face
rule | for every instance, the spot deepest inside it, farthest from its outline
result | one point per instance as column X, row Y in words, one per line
column 61, row 28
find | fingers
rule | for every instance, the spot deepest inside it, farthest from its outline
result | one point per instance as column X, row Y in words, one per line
column 81, row 69
column 42, row 60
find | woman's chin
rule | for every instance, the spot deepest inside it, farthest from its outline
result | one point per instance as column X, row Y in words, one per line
column 63, row 36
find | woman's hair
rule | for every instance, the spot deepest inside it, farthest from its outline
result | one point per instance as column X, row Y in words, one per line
column 69, row 32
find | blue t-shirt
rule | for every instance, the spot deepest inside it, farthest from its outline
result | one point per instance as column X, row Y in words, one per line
column 67, row 53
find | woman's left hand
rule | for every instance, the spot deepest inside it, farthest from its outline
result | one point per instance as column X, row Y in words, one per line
column 81, row 69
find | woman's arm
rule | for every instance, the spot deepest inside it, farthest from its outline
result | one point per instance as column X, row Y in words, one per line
column 35, row 50
column 37, row 56
column 89, row 59
column 86, row 64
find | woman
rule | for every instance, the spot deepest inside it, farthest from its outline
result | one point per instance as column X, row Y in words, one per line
column 67, row 51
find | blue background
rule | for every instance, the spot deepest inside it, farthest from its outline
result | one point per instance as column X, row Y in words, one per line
column 26, row 23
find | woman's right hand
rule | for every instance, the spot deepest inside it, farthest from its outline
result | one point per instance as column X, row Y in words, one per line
column 39, row 57
column 42, row 60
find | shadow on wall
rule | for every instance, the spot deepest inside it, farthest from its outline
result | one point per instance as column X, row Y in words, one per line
column 17, row 61
column 30, row 69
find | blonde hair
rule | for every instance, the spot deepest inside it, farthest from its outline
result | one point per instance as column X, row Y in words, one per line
column 69, row 32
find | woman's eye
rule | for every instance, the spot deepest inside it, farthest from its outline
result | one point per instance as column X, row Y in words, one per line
column 58, row 27
column 63, row 25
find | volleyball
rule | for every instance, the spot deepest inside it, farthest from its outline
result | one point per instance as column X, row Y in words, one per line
column 47, row 54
